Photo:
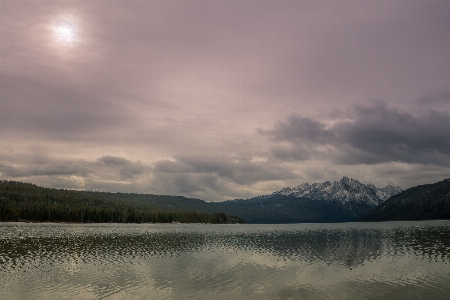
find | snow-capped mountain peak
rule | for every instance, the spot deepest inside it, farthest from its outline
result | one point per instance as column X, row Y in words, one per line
column 344, row 190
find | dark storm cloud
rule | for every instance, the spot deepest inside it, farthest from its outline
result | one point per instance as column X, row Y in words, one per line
column 395, row 135
column 377, row 133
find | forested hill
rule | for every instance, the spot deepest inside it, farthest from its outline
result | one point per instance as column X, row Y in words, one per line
column 275, row 209
column 26, row 201
column 423, row 202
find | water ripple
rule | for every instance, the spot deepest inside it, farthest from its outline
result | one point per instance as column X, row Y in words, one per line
column 397, row 260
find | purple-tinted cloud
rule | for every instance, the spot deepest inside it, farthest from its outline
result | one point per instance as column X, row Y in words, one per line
column 48, row 169
column 238, row 170
column 376, row 134
column 167, row 96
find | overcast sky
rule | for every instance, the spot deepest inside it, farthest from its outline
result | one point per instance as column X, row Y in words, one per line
column 223, row 99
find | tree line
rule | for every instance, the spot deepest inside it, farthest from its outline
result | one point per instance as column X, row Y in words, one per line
column 25, row 201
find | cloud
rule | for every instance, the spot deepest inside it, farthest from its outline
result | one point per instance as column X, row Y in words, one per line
column 126, row 168
column 240, row 170
column 114, row 161
column 441, row 97
column 217, row 177
column 47, row 169
column 376, row 133
column 143, row 103
column 10, row 171
column 299, row 129
column 56, row 110
column 106, row 169
column 395, row 135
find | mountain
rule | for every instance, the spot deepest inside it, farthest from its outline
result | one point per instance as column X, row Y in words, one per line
column 423, row 202
column 345, row 200
column 344, row 191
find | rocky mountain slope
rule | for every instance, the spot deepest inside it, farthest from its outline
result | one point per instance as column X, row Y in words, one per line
column 344, row 190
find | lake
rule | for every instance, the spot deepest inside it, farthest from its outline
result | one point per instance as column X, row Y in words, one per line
column 390, row 260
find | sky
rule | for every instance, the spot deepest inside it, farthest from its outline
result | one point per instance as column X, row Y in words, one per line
column 220, row 100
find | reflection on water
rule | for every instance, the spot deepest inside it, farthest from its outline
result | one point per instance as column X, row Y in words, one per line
column 394, row 260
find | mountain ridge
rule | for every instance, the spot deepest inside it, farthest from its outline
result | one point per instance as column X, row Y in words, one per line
column 344, row 190
column 345, row 200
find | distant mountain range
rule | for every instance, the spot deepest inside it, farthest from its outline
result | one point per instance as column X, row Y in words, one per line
column 423, row 202
column 344, row 190
column 345, row 200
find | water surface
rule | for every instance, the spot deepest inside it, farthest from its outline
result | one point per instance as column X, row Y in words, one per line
column 392, row 260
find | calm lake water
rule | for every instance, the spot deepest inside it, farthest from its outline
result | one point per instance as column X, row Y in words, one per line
column 392, row 260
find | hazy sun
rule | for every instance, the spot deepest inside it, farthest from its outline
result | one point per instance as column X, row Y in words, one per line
column 65, row 31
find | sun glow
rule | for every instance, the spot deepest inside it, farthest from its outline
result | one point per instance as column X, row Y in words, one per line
column 65, row 32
